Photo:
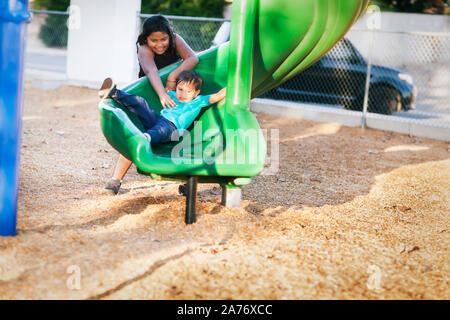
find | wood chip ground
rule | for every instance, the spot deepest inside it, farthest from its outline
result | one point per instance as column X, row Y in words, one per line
column 350, row 214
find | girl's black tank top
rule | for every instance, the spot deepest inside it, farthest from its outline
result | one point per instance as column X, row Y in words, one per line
column 162, row 60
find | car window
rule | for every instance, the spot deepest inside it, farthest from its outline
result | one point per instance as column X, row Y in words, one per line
column 341, row 51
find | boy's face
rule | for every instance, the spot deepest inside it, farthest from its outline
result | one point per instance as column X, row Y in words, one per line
column 186, row 91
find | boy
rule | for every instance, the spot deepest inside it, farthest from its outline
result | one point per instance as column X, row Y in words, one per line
column 159, row 127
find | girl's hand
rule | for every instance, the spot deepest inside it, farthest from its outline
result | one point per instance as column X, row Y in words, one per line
column 167, row 101
column 171, row 85
column 171, row 82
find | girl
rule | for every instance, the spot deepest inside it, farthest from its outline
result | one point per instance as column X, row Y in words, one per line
column 157, row 46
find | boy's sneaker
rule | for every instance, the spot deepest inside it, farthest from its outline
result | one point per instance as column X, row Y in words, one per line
column 107, row 89
column 114, row 185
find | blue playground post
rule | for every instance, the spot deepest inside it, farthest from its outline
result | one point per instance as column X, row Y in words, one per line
column 14, row 16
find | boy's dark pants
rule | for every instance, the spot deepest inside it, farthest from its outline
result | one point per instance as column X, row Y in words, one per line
column 159, row 128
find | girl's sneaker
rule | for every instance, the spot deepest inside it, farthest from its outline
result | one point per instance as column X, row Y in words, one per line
column 182, row 189
column 114, row 185
column 107, row 89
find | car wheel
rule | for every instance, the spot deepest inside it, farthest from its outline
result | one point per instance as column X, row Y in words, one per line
column 355, row 105
column 384, row 100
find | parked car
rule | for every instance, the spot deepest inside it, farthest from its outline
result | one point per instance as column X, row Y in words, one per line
column 340, row 78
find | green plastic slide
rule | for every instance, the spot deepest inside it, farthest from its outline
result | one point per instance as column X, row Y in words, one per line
column 271, row 41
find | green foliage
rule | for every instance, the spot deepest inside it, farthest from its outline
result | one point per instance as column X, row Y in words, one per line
column 404, row 5
column 56, row 5
column 54, row 32
column 198, row 34
column 416, row 6
column 194, row 8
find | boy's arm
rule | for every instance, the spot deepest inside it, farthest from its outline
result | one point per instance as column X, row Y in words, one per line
column 216, row 97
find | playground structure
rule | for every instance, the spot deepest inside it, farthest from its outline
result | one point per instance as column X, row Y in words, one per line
column 271, row 41
column 349, row 214
column 14, row 16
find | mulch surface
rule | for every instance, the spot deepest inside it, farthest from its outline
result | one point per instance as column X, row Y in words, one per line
column 347, row 214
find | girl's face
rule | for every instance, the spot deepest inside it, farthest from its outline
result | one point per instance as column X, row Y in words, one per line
column 186, row 91
column 158, row 42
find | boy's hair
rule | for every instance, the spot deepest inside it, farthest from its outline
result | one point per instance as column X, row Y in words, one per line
column 193, row 77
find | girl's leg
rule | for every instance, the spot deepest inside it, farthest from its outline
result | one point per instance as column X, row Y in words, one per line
column 139, row 106
column 121, row 168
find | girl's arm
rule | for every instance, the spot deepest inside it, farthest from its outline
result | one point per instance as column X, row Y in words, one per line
column 147, row 62
column 190, row 61
column 216, row 97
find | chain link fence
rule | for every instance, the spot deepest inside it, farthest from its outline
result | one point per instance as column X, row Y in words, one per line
column 46, row 45
column 198, row 32
column 409, row 76
column 409, row 71
column 423, row 59
column 50, row 28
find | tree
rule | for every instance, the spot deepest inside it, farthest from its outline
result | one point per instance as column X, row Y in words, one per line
column 194, row 8
column 56, row 5
column 418, row 6
column 53, row 32
column 199, row 34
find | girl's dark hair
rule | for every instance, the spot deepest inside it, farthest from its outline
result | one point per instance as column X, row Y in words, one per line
column 190, row 76
column 154, row 24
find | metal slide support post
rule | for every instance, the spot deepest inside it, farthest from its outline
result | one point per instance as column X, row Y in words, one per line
column 231, row 196
column 368, row 77
column 191, row 196
column 14, row 16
